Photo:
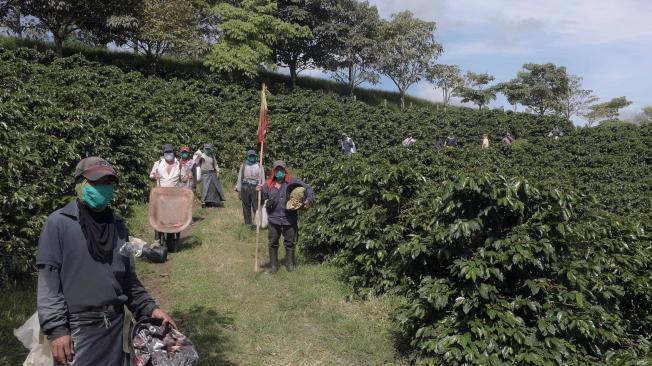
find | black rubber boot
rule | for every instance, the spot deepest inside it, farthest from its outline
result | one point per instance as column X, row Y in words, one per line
column 289, row 259
column 273, row 258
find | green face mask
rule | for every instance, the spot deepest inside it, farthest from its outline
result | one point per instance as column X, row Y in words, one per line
column 185, row 155
column 252, row 159
column 97, row 197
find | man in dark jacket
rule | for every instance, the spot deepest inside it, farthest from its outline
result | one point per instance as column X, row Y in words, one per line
column 84, row 281
column 282, row 220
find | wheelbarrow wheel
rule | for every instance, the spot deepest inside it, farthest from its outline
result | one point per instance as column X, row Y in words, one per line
column 171, row 242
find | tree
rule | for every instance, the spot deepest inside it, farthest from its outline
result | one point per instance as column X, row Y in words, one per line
column 157, row 33
column 644, row 117
column 11, row 17
column 64, row 17
column 446, row 77
column 406, row 50
column 539, row 87
column 248, row 31
column 513, row 92
column 576, row 101
column 356, row 26
column 308, row 51
column 606, row 111
column 475, row 89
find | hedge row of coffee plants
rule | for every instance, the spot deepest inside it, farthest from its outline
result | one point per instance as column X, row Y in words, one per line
column 493, row 270
column 55, row 111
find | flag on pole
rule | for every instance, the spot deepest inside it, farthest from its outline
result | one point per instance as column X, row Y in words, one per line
column 262, row 125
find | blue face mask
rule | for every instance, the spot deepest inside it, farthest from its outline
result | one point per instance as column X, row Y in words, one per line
column 252, row 159
column 280, row 175
column 97, row 197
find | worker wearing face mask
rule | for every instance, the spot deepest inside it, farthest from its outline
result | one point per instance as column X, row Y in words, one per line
column 250, row 175
column 212, row 192
column 167, row 170
column 167, row 173
column 84, row 281
column 283, row 220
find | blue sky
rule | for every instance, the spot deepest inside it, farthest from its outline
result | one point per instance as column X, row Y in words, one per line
column 608, row 43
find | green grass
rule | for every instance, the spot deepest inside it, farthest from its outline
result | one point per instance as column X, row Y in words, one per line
column 238, row 317
column 17, row 304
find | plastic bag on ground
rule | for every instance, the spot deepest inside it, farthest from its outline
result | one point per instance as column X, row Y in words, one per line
column 29, row 334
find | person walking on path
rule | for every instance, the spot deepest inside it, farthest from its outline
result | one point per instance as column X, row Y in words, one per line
column 188, row 165
column 485, row 141
column 251, row 174
column 167, row 173
column 282, row 221
column 84, row 281
column 212, row 192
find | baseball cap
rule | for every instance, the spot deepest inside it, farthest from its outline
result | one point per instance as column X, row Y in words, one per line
column 168, row 148
column 279, row 163
column 185, row 148
column 94, row 168
column 251, row 152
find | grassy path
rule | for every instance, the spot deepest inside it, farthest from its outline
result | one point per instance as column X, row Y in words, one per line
column 237, row 317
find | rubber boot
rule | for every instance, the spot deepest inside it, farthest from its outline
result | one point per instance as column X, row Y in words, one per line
column 289, row 259
column 273, row 258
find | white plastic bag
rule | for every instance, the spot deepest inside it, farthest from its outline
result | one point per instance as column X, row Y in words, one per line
column 29, row 334
column 262, row 218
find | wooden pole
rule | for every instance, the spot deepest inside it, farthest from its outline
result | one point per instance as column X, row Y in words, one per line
column 260, row 193
column 259, row 217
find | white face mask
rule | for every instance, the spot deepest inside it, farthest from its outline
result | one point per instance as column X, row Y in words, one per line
column 168, row 156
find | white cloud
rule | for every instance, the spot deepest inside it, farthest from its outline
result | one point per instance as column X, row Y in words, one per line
column 568, row 22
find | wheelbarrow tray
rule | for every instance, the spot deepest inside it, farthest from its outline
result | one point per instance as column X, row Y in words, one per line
column 170, row 209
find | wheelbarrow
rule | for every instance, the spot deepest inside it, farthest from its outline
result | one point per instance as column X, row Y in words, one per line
column 170, row 212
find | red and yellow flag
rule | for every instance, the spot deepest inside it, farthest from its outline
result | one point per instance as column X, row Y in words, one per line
column 262, row 125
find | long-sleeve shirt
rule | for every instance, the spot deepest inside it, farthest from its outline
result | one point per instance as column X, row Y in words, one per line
column 70, row 280
column 168, row 179
column 279, row 215
column 249, row 174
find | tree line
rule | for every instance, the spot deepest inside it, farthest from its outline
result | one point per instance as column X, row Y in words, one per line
column 348, row 39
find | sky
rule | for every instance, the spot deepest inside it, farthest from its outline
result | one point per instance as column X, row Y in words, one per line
column 607, row 42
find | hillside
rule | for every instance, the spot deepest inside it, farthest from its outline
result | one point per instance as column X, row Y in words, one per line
column 414, row 222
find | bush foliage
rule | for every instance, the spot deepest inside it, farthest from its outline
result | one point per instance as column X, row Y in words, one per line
column 494, row 270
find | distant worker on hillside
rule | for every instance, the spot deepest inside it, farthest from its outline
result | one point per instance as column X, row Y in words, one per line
column 212, row 192
column 485, row 141
column 451, row 141
column 508, row 139
column 409, row 141
column 282, row 205
column 347, row 145
column 85, row 278
column 556, row 133
column 251, row 174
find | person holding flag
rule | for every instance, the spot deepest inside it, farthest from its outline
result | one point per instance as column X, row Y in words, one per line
column 283, row 220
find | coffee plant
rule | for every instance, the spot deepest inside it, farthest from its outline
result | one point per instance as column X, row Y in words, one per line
column 492, row 269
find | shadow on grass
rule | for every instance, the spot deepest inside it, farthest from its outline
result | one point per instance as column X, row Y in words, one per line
column 206, row 329
column 188, row 242
column 17, row 304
